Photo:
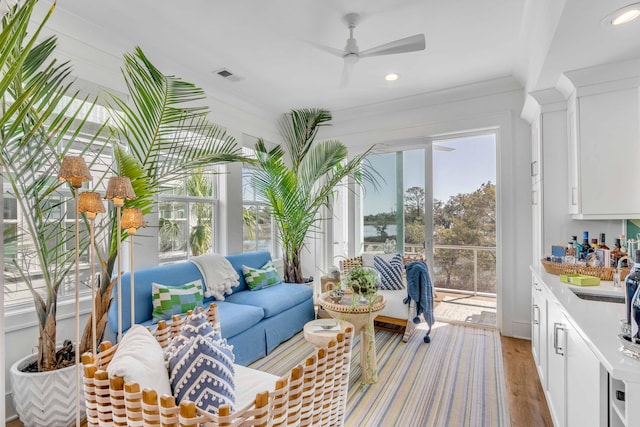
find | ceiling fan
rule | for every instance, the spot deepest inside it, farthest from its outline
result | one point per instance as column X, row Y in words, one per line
column 351, row 53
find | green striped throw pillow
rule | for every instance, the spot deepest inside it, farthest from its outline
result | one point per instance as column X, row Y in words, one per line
column 170, row 300
column 259, row 278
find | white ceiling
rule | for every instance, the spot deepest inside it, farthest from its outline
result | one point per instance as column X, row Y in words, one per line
column 266, row 43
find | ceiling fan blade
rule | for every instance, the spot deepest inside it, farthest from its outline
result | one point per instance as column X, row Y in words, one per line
column 328, row 49
column 407, row 44
column 347, row 70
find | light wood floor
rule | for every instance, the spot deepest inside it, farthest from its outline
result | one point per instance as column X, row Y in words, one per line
column 527, row 405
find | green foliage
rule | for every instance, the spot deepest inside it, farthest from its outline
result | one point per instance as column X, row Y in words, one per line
column 167, row 136
column 41, row 117
column 466, row 219
column 300, row 181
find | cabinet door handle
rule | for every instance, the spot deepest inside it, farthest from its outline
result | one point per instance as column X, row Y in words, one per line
column 559, row 349
column 536, row 319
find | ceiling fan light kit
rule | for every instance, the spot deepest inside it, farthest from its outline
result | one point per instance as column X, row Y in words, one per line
column 351, row 53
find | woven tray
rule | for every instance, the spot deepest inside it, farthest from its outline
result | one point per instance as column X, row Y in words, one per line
column 604, row 273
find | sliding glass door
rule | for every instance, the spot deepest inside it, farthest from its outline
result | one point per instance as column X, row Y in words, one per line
column 438, row 200
column 464, row 213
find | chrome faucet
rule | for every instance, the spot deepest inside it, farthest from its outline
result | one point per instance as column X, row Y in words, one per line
column 616, row 275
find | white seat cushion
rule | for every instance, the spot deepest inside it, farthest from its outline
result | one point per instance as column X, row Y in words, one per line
column 250, row 382
column 395, row 307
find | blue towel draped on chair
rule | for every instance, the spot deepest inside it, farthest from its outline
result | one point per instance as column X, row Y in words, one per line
column 420, row 290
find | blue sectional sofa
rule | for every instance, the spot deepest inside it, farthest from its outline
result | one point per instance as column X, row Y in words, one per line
column 254, row 322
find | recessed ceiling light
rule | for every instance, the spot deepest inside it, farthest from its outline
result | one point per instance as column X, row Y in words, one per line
column 623, row 15
column 391, row 77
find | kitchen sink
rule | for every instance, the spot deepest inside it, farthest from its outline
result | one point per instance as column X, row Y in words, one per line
column 599, row 297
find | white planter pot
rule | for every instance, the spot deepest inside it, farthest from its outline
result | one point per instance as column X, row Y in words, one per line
column 46, row 398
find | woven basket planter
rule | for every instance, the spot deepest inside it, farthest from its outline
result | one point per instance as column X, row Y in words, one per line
column 46, row 398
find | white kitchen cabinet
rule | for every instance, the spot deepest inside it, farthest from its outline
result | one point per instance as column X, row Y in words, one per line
column 536, row 149
column 539, row 330
column 586, row 398
column 573, row 379
column 573, row 166
column 556, row 364
column 603, row 130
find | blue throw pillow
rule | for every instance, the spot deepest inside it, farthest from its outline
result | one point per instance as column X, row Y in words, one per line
column 195, row 325
column 202, row 371
column 390, row 272
column 259, row 278
column 170, row 300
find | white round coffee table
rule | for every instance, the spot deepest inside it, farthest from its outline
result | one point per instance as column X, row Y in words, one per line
column 320, row 332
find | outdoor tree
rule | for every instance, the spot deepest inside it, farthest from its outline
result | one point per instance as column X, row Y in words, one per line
column 465, row 219
column 414, row 205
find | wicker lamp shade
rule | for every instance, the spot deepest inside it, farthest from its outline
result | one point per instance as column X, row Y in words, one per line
column 119, row 189
column 132, row 219
column 91, row 204
column 74, row 170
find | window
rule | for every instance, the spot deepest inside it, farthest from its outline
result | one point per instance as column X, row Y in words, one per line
column 186, row 216
column 393, row 214
column 19, row 253
column 258, row 227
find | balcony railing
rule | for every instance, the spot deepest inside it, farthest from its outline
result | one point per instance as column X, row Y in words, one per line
column 461, row 268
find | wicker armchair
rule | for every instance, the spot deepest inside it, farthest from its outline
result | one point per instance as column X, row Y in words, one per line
column 313, row 393
column 395, row 312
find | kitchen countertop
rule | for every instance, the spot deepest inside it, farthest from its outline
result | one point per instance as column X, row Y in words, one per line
column 597, row 322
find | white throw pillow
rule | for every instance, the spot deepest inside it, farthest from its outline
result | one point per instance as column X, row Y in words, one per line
column 139, row 358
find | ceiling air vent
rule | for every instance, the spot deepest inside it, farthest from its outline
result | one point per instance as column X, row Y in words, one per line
column 228, row 75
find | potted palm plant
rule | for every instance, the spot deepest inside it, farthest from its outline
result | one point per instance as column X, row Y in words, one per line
column 167, row 136
column 40, row 119
column 299, row 179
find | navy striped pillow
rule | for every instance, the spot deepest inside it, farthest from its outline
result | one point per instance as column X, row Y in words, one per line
column 390, row 272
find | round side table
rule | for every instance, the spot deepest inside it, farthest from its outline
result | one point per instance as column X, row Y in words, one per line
column 361, row 317
column 320, row 332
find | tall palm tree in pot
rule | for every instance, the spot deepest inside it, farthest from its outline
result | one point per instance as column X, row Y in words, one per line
column 301, row 178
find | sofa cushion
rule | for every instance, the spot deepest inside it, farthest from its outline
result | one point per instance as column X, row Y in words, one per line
column 236, row 318
column 263, row 277
column 170, row 300
column 390, row 272
column 202, row 371
column 274, row 299
column 139, row 358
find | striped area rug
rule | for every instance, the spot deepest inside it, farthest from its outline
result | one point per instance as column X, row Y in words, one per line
column 456, row 380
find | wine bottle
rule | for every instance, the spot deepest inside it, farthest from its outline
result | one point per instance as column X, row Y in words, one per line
column 602, row 244
column 631, row 286
column 586, row 247
column 577, row 248
column 635, row 309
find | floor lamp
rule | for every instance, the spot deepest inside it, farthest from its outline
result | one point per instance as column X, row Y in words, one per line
column 132, row 219
column 75, row 171
column 119, row 189
column 90, row 204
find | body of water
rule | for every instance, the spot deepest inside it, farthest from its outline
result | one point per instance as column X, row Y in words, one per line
column 370, row 230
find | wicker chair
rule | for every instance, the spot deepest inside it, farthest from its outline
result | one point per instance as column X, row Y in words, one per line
column 391, row 314
column 313, row 393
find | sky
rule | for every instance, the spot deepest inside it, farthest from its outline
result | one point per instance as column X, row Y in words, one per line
column 471, row 163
